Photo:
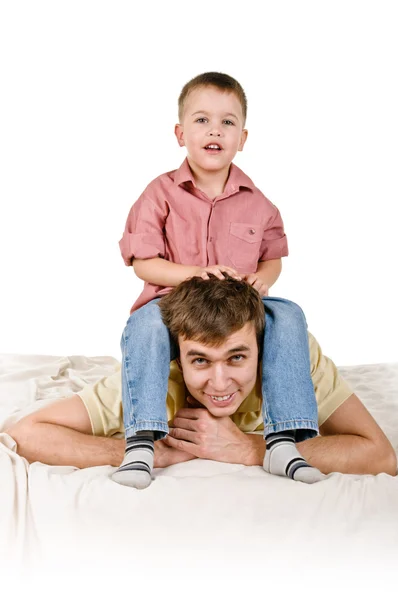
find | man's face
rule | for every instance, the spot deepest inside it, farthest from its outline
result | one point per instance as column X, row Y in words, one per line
column 211, row 116
column 221, row 378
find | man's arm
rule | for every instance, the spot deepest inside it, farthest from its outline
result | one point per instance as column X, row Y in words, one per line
column 351, row 441
column 61, row 434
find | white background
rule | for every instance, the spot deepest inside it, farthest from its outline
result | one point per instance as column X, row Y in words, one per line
column 88, row 104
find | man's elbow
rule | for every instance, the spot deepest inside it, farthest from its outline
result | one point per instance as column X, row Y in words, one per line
column 386, row 459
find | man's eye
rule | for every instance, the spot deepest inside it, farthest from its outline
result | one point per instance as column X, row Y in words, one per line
column 195, row 361
column 238, row 356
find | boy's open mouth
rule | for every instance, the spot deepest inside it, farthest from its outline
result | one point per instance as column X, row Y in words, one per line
column 213, row 148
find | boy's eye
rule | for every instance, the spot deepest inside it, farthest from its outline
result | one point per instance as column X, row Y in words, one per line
column 201, row 120
column 228, row 122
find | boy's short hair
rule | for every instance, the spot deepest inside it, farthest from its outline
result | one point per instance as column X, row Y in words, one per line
column 210, row 310
column 218, row 80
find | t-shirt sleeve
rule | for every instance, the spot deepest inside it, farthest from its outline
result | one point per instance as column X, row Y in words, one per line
column 330, row 388
column 143, row 235
column 274, row 242
column 103, row 401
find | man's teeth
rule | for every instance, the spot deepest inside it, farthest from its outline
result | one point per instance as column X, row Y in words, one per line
column 220, row 398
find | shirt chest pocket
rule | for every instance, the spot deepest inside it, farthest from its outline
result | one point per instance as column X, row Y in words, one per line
column 244, row 243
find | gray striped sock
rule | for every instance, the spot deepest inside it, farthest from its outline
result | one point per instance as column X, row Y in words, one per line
column 136, row 468
column 283, row 458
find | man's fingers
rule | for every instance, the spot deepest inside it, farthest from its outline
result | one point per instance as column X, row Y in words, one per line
column 183, row 434
column 182, row 423
column 182, row 445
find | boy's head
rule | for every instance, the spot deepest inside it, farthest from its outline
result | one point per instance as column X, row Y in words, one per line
column 212, row 110
column 219, row 327
column 221, row 82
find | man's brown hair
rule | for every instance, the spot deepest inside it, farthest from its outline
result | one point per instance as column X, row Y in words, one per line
column 210, row 310
column 219, row 80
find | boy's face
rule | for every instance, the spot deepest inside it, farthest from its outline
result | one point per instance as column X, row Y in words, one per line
column 227, row 371
column 211, row 116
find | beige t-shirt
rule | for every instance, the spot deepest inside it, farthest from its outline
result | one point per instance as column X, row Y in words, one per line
column 103, row 400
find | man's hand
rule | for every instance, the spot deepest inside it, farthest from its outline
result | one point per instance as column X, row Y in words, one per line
column 166, row 456
column 258, row 283
column 199, row 433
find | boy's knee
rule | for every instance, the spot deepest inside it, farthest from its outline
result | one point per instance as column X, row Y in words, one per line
column 145, row 322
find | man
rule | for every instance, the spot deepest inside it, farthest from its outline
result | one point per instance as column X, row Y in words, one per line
column 214, row 398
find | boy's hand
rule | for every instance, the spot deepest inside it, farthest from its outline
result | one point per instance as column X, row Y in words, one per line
column 196, row 431
column 216, row 270
column 259, row 284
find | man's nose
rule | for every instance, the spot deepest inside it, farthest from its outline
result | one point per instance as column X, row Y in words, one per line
column 219, row 379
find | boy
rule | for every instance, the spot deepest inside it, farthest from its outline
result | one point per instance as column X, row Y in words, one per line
column 204, row 218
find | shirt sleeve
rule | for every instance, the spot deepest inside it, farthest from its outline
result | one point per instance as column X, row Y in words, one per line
column 330, row 388
column 274, row 242
column 143, row 235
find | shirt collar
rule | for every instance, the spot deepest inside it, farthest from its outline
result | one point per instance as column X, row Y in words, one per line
column 236, row 179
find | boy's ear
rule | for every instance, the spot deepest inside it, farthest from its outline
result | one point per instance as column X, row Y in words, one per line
column 243, row 139
column 179, row 133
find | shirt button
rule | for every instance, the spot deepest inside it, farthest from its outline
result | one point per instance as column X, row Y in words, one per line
column 252, row 231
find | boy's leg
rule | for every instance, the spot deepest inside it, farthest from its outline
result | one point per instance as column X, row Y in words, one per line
column 147, row 350
column 290, row 410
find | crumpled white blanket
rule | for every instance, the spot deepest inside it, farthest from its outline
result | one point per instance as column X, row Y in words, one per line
column 199, row 521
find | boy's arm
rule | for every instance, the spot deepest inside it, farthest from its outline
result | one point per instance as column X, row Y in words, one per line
column 163, row 272
column 269, row 270
column 267, row 273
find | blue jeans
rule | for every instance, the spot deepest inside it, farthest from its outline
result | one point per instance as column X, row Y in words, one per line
column 287, row 390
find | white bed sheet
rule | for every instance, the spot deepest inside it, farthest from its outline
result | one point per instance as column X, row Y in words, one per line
column 197, row 517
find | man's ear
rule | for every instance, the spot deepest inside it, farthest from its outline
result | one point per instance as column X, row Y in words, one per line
column 179, row 133
column 178, row 361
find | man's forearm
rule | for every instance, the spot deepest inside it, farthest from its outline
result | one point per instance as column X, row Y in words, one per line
column 57, row 445
column 334, row 453
column 162, row 272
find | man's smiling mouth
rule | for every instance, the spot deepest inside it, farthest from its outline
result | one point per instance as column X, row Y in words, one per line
column 222, row 400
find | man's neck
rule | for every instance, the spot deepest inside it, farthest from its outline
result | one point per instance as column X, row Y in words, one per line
column 212, row 183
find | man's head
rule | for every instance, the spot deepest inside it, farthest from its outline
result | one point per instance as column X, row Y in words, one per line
column 219, row 326
column 212, row 110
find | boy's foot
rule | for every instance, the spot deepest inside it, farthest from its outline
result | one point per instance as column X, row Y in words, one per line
column 283, row 458
column 136, row 468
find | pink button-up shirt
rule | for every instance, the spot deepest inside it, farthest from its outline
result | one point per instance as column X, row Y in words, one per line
column 174, row 220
